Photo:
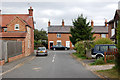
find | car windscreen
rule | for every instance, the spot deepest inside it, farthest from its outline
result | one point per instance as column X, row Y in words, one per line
column 41, row 48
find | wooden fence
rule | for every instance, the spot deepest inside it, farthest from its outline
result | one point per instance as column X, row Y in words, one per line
column 110, row 55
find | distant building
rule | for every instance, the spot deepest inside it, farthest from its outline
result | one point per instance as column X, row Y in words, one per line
column 18, row 27
column 113, row 26
column 59, row 34
column 100, row 31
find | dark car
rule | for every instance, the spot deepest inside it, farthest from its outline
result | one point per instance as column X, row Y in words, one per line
column 59, row 47
column 98, row 51
column 41, row 51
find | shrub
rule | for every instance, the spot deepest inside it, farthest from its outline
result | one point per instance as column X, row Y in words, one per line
column 79, row 46
column 98, row 62
column 103, row 41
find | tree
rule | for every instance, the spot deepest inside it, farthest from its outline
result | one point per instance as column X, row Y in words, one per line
column 118, row 47
column 81, row 30
column 41, row 38
column 40, row 34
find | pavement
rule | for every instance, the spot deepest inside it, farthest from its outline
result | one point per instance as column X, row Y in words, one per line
column 58, row 64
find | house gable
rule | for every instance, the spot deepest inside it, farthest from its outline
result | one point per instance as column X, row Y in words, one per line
column 20, row 22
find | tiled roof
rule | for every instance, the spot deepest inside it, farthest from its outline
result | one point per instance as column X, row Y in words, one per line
column 7, row 18
column 13, row 35
column 66, row 29
column 100, row 29
column 59, row 29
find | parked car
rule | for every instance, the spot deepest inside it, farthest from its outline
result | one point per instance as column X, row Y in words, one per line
column 41, row 51
column 98, row 51
column 59, row 47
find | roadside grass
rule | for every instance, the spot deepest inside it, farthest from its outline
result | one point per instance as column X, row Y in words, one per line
column 79, row 56
column 110, row 73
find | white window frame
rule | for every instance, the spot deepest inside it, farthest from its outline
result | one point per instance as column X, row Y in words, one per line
column 102, row 35
column 69, row 44
column 16, row 26
column 59, row 41
column 114, row 25
column 112, row 32
column 58, row 35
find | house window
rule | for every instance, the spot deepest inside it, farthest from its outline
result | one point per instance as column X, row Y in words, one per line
column 112, row 32
column 58, row 42
column 5, row 29
column 16, row 26
column 103, row 35
column 58, row 35
column 114, row 25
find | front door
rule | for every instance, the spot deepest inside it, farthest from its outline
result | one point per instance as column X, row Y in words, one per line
column 68, row 44
column 51, row 44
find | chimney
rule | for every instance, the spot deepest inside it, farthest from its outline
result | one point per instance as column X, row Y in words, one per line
column 0, row 11
column 63, row 23
column 105, row 22
column 30, row 11
column 92, row 23
column 49, row 23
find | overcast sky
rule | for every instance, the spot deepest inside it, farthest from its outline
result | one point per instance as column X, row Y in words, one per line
column 56, row 10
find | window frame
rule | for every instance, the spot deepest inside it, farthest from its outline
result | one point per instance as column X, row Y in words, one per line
column 16, row 26
column 58, row 35
column 104, row 35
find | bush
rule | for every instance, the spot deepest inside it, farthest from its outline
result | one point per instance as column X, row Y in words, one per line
column 98, row 62
column 103, row 41
column 79, row 47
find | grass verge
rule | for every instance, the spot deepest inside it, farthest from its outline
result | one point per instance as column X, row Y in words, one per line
column 110, row 73
column 79, row 56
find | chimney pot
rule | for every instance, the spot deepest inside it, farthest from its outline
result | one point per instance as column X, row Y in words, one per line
column 30, row 11
column 49, row 23
column 63, row 22
column 0, row 11
column 105, row 22
column 92, row 23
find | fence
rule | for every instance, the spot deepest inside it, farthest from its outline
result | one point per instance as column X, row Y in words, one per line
column 110, row 55
column 10, row 49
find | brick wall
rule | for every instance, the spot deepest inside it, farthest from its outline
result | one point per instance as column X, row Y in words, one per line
column 98, row 36
column 64, row 38
column 11, row 26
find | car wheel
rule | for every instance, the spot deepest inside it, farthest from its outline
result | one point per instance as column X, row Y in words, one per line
column 65, row 48
column 46, row 54
column 54, row 49
column 99, row 56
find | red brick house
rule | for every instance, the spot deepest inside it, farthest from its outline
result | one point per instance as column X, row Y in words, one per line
column 18, row 27
column 59, row 34
column 113, row 26
column 100, row 31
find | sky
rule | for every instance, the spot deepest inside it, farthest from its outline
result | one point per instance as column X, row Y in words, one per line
column 56, row 10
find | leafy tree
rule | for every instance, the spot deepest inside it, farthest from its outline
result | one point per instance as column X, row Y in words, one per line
column 81, row 30
column 40, row 34
column 41, row 38
column 118, row 46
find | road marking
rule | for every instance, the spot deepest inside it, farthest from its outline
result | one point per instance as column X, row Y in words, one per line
column 53, row 58
column 17, row 66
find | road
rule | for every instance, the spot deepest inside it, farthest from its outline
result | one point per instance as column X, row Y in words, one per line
column 58, row 64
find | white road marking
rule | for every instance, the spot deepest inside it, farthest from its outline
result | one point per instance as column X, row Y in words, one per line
column 53, row 58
